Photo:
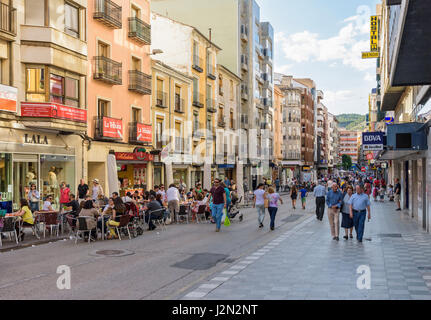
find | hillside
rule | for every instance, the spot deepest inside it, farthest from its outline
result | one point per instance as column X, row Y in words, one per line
column 352, row 121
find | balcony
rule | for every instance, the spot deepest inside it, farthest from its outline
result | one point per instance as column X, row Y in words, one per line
column 198, row 100
column 259, row 78
column 107, row 70
column 139, row 30
column 221, row 123
column 244, row 95
column 211, row 72
column 211, row 103
column 107, row 128
column 140, row 133
column 244, row 33
column 244, row 121
column 56, row 117
column 139, row 82
column 198, row 64
column 161, row 99
column 7, row 19
column 179, row 104
column 108, row 13
column 197, row 135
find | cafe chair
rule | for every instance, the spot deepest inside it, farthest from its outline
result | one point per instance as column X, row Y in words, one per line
column 124, row 225
column 8, row 228
column 71, row 221
column 82, row 228
column 184, row 212
column 49, row 220
column 158, row 218
column 34, row 227
column 201, row 211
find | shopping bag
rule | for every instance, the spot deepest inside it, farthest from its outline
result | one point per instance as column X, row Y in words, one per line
column 227, row 222
column 223, row 218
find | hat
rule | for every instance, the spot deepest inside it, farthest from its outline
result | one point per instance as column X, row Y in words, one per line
column 96, row 180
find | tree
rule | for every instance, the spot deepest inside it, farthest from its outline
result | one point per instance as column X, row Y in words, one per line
column 347, row 162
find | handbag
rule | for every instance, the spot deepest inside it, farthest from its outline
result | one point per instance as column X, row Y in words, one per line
column 227, row 222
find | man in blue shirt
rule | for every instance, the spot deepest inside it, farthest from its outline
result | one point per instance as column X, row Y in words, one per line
column 359, row 204
column 334, row 200
column 320, row 194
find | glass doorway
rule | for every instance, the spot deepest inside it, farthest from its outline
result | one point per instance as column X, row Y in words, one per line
column 25, row 172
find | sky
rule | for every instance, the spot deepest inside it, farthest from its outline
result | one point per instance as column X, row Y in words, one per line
column 323, row 40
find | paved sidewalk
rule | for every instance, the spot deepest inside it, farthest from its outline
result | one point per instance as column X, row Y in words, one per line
column 305, row 263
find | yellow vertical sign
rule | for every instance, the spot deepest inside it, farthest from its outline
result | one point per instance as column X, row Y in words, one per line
column 374, row 34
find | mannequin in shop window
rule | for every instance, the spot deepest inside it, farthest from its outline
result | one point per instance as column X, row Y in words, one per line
column 52, row 181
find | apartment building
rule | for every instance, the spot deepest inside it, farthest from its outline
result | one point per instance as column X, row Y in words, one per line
column 43, row 114
column 349, row 144
column 119, row 92
column 248, row 52
column 190, row 51
column 228, row 124
column 333, row 143
column 291, row 126
column 322, row 135
column 404, row 93
column 278, row 134
column 171, row 116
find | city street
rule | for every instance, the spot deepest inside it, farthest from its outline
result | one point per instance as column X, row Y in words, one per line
column 299, row 260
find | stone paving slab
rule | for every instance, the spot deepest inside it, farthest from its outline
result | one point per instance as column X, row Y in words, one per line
column 306, row 264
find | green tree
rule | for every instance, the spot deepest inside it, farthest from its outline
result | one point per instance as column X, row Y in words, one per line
column 347, row 161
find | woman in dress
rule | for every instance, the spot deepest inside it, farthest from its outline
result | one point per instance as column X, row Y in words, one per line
column 294, row 196
column 347, row 222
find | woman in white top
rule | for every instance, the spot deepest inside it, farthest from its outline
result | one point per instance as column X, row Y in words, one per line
column 47, row 205
column 96, row 190
column 259, row 203
column 347, row 222
column 33, row 198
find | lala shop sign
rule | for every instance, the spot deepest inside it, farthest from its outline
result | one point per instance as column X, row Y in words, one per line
column 35, row 139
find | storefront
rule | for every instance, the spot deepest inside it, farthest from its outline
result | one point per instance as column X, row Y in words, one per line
column 226, row 170
column 133, row 171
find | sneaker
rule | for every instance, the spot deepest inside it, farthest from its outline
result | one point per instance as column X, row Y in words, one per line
column 346, row 238
column 336, row 238
column 398, row 210
column 272, row 228
column 217, row 230
column 261, row 225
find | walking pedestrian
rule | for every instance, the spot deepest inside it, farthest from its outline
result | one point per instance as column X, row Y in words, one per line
column 259, row 203
column 320, row 194
column 304, row 193
column 347, row 222
column 97, row 190
column 397, row 194
column 33, row 198
column 359, row 204
column 277, row 184
column 293, row 196
column 334, row 201
column 173, row 198
column 82, row 190
column 218, row 202
column 273, row 205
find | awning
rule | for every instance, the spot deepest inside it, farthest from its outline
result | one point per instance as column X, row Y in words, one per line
column 397, row 154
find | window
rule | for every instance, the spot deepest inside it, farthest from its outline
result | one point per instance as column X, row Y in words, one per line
column 160, row 101
column 136, row 115
column 135, row 12
column 136, row 64
column 178, row 140
column 195, row 121
column 232, row 124
column 195, row 52
column 64, row 90
column 220, row 85
column 103, row 108
column 209, row 125
column 159, row 133
column 178, row 106
column 71, row 14
column 220, row 114
column 232, row 96
column 103, row 49
column 35, row 87
column 195, row 90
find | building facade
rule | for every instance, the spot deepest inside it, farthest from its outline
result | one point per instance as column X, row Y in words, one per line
column 333, row 144
column 349, row 144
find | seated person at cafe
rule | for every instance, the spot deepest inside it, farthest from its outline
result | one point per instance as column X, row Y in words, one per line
column 136, row 196
column 152, row 206
column 26, row 216
column 108, row 212
column 127, row 198
column 200, row 201
column 72, row 205
column 118, row 210
column 160, row 200
column 47, row 205
column 91, row 214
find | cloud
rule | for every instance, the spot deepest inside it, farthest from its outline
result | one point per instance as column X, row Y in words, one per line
column 344, row 47
column 284, row 69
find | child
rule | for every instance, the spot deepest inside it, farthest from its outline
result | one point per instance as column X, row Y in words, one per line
column 391, row 192
column 303, row 196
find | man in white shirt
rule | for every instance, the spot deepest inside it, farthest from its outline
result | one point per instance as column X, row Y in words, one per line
column 259, row 203
column 173, row 198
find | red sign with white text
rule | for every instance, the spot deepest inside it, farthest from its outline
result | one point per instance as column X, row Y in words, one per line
column 370, row 156
column 112, row 128
column 144, row 133
column 52, row 110
column 133, row 156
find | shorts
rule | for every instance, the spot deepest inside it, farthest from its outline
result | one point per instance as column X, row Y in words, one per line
column 397, row 197
column 303, row 199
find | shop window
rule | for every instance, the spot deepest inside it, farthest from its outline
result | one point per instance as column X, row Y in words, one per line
column 35, row 87
column 71, row 14
column 55, row 170
column 5, row 177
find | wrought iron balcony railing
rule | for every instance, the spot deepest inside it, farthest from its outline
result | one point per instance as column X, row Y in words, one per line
column 179, row 104
column 161, row 99
column 139, row 82
column 108, row 12
column 7, row 19
column 139, row 30
column 107, row 70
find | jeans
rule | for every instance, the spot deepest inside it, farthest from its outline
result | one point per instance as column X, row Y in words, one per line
column 217, row 213
column 272, row 214
column 260, row 213
column 359, row 222
column 34, row 206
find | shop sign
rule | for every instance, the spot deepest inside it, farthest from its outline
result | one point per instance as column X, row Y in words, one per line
column 8, row 98
column 35, row 139
column 372, row 141
column 53, row 110
column 370, row 156
column 144, row 133
column 306, row 168
column 374, row 33
column 134, row 156
column 112, row 128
